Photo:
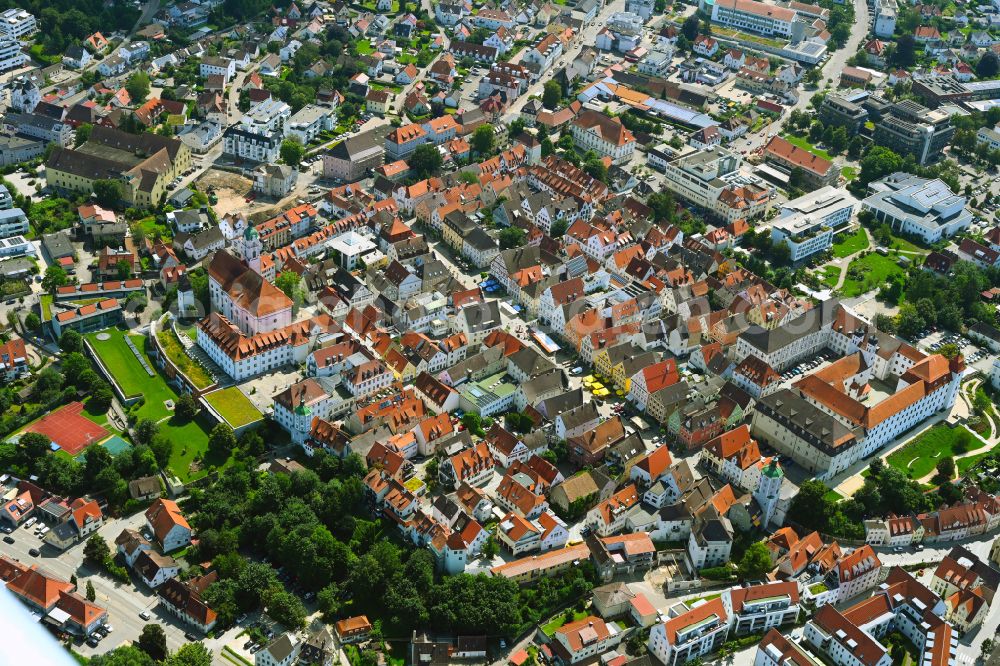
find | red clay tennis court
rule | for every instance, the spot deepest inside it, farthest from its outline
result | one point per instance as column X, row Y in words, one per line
column 72, row 432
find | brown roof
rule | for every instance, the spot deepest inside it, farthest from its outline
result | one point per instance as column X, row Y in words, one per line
column 246, row 287
column 799, row 157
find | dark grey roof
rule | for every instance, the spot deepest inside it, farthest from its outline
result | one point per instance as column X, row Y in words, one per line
column 771, row 340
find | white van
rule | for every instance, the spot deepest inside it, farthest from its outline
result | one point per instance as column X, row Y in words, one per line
column 30, row 522
column 42, row 532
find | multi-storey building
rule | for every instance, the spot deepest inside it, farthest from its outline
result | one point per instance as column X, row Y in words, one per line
column 691, row 634
column 807, row 224
column 918, row 206
column 911, row 128
column 17, row 23
column 759, row 17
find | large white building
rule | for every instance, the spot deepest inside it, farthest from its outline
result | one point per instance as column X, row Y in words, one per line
column 885, row 18
column 11, row 55
column 592, row 130
column 807, row 224
column 759, row 17
column 241, row 295
column 918, row 206
column 17, row 23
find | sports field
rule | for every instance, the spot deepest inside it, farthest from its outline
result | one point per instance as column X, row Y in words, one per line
column 69, row 429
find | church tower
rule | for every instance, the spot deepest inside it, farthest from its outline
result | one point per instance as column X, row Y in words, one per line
column 769, row 490
column 251, row 248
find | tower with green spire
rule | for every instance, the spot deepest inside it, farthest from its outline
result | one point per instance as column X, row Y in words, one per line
column 769, row 490
column 251, row 247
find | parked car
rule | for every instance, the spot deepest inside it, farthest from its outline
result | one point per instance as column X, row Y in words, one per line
column 144, row 615
column 8, row 539
column 34, row 552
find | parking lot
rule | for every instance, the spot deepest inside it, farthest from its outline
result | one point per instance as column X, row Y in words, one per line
column 975, row 356
column 123, row 601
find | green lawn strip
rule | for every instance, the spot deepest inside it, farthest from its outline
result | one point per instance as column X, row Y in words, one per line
column 876, row 269
column 557, row 622
column 46, row 305
column 190, row 440
column 234, row 407
column 804, row 144
column 131, row 376
column 235, row 658
column 834, row 496
column 174, row 350
column 919, row 458
column 848, row 244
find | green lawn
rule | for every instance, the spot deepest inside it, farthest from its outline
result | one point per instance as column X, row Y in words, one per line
column 233, row 406
column 963, row 464
column 364, row 46
column 919, row 458
column 803, row 143
column 900, row 243
column 152, row 228
column 46, row 304
column 174, row 350
column 849, row 173
column 190, row 441
column 848, row 244
column 830, row 275
column 834, row 496
column 132, row 378
column 876, row 270
column 551, row 628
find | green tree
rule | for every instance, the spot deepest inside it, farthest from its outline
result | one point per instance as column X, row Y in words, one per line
column 988, row 66
column 558, row 229
column 945, row 470
column 690, row 28
column 55, row 277
column 32, row 322
column 108, row 192
column 153, row 641
column 288, row 282
column 426, row 161
column 285, row 608
column 292, row 151
column 100, row 398
column 190, row 654
column 221, row 439
column 124, row 655
column 879, row 161
column 186, row 407
column 124, row 270
column 71, row 341
column 91, row 592
column 551, row 94
column 811, row 507
column 138, row 87
column 96, row 550
column 906, row 51
column 908, row 321
column 82, row 134
column 595, row 168
column 483, row 140
column 756, row 562
column 511, row 237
